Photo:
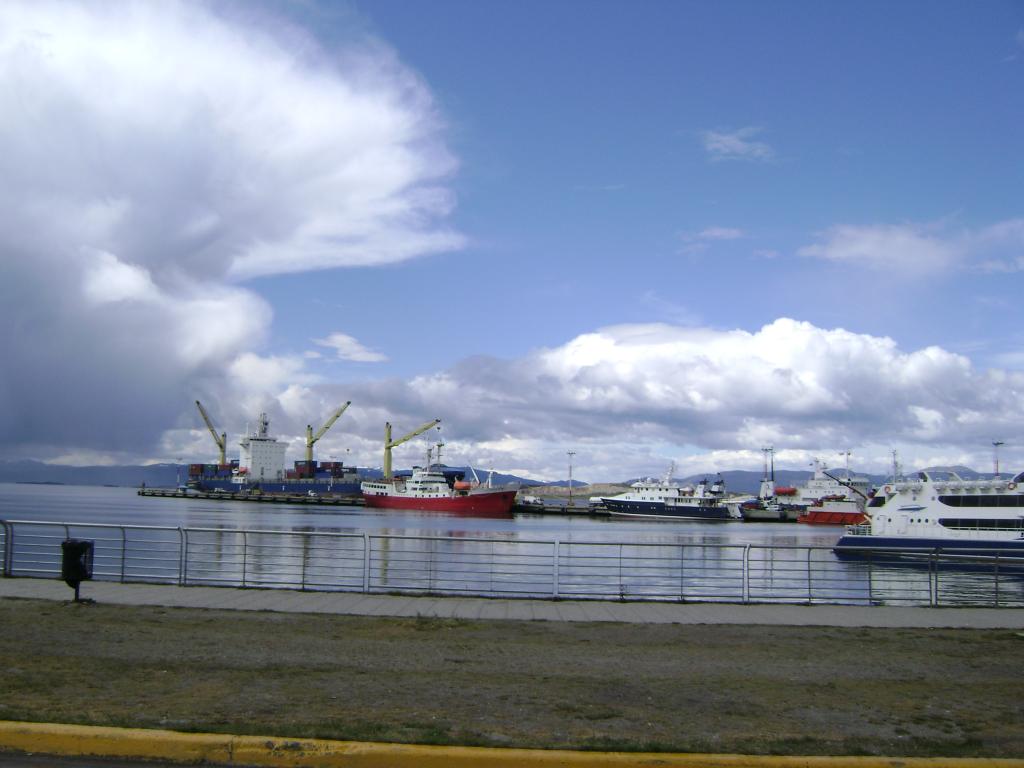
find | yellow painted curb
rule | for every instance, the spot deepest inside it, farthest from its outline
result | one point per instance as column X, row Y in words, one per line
column 84, row 740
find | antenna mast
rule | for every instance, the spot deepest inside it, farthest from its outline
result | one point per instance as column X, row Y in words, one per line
column 995, row 455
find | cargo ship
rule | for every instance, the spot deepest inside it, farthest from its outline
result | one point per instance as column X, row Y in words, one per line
column 260, row 469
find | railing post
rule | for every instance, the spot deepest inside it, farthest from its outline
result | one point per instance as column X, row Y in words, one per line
column 682, row 573
column 182, row 557
column 810, row 588
column 245, row 554
column 8, row 553
column 746, row 573
column 307, row 540
column 366, row 562
column 996, row 579
column 124, row 548
column 555, row 576
column 933, row 578
column 871, row 578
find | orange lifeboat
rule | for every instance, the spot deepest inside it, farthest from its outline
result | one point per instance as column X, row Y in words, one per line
column 462, row 485
column 785, row 490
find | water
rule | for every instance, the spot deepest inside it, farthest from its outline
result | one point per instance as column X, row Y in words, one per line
column 123, row 506
column 359, row 548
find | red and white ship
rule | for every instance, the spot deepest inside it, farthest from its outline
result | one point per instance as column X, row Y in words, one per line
column 428, row 490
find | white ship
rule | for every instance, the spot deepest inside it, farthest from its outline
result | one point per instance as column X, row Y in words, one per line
column 939, row 510
column 648, row 496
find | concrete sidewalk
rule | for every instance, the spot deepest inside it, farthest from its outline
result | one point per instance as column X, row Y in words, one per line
column 357, row 604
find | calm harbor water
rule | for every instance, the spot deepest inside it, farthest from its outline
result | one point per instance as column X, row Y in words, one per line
column 123, row 506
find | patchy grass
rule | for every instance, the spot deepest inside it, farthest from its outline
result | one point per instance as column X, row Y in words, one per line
column 757, row 690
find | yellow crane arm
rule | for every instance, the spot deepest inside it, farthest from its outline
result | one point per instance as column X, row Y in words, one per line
column 311, row 438
column 389, row 443
column 221, row 440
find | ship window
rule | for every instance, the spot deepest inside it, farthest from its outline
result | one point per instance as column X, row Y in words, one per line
column 978, row 524
column 993, row 500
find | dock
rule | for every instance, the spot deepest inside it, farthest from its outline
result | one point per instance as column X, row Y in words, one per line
column 263, row 498
column 342, row 501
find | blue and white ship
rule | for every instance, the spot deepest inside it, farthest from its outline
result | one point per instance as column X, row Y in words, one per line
column 940, row 511
column 667, row 499
column 647, row 497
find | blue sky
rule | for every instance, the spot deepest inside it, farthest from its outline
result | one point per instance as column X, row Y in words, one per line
column 585, row 183
column 645, row 231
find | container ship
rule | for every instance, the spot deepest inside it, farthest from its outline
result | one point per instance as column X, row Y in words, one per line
column 260, row 466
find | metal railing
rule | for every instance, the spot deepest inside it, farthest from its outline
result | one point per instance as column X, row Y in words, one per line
column 503, row 567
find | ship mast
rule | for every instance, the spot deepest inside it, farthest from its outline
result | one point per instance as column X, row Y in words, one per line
column 995, row 456
column 389, row 443
column 311, row 438
column 221, row 440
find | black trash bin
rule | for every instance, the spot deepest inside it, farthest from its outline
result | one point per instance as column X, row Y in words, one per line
column 76, row 562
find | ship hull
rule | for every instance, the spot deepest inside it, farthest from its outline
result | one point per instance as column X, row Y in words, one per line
column 493, row 504
column 634, row 507
column 863, row 546
column 319, row 487
column 668, row 512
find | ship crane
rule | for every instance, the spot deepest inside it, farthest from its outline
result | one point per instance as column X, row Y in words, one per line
column 311, row 438
column 221, row 440
column 389, row 443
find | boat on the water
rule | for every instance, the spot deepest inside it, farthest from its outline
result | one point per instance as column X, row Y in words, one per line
column 431, row 489
column 666, row 499
column 940, row 511
column 647, row 496
column 833, row 510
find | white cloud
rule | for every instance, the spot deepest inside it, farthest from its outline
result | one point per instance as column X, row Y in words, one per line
column 699, row 242
column 153, row 154
column 923, row 249
column 108, row 279
column 737, row 145
column 720, row 233
column 631, row 398
column 348, row 348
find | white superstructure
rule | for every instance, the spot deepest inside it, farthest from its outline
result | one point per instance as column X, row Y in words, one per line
column 261, row 456
column 824, row 484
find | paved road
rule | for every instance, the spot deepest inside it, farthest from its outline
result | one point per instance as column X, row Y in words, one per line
column 346, row 603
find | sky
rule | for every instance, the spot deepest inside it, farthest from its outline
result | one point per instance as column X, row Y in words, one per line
column 650, row 232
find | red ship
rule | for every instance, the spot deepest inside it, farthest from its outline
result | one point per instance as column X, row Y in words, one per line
column 834, row 510
column 429, row 490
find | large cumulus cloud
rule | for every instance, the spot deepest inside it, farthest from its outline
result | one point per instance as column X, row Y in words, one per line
column 629, row 398
column 154, row 155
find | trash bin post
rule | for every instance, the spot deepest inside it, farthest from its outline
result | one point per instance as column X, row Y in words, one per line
column 76, row 563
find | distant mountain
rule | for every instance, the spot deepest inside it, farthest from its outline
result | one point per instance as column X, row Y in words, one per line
column 154, row 475
column 563, row 483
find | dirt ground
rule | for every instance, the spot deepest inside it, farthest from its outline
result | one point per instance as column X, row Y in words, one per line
column 750, row 689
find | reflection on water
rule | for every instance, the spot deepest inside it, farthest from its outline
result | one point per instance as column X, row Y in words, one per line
column 352, row 548
column 122, row 506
